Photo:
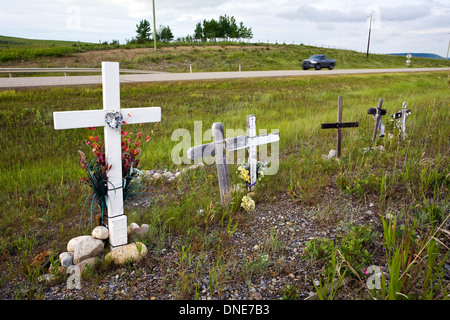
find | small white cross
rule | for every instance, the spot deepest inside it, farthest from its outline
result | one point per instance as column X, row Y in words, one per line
column 400, row 120
column 117, row 221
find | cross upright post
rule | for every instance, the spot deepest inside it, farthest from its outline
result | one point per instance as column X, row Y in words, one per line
column 339, row 125
column 112, row 117
column 339, row 129
column 221, row 162
column 378, row 113
column 403, row 134
column 252, row 160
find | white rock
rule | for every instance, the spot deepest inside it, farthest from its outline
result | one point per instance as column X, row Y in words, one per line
column 87, row 248
column 156, row 176
column 389, row 216
column 140, row 231
column 66, row 259
column 73, row 242
column 100, row 233
column 130, row 252
column 168, row 175
column 131, row 227
column 331, row 154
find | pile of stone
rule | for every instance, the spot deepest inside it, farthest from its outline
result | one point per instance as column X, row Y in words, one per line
column 157, row 175
column 86, row 250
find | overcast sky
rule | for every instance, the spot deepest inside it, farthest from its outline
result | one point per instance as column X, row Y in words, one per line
column 397, row 26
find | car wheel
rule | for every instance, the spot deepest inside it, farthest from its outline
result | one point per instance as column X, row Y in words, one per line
column 331, row 67
column 317, row 67
column 304, row 68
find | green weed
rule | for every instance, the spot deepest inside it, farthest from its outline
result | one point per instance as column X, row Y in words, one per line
column 41, row 190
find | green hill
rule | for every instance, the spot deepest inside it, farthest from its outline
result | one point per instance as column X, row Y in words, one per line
column 22, row 43
column 178, row 57
column 419, row 55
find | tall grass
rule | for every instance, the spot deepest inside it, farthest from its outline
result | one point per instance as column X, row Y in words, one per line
column 41, row 191
column 36, row 53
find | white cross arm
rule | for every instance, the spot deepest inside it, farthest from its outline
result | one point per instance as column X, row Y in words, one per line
column 96, row 118
column 232, row 144
column 141, row 115
column 78, row 119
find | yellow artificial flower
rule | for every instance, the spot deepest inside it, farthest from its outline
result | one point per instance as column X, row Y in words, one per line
column 248, row 203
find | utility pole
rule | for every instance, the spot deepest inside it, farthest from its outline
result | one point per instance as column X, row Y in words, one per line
column 154, row 26
column 368, row 41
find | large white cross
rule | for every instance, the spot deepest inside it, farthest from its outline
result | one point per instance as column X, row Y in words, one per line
column 117, row 221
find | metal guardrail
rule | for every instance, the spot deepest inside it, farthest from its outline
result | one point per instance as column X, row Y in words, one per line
column 10, row 71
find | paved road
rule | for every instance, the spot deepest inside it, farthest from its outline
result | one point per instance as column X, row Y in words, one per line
column 27, row 82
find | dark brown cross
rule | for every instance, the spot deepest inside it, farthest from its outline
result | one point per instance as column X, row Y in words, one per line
column 339, row 125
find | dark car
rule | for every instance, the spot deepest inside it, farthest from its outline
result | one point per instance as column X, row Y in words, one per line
column 318, row 61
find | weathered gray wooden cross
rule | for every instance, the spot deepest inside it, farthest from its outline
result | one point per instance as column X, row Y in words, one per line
column 378, row 113
column 220, row 145
column 339, row 125
column 111, row 118
column 403, row 114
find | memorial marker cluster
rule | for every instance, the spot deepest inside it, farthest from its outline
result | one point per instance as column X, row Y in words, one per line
column 379, row 127
column 112, row 117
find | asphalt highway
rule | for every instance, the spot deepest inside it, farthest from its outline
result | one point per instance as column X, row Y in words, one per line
column 29, row 82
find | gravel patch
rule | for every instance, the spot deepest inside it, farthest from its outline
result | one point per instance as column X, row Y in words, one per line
column 261, row 260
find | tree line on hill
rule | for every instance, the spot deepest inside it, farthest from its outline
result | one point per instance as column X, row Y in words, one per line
column 143, row 33
column 223, row 29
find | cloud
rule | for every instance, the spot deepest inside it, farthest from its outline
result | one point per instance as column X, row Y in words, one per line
column 314, row 14
column 432, row 31
column 405, row 13
column 354, row 14
column 400, row 25
column 144, row 8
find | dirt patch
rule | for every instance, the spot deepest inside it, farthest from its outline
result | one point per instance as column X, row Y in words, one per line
column 127, row 57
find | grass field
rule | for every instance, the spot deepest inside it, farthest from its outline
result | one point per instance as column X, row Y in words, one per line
column 42, row 198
